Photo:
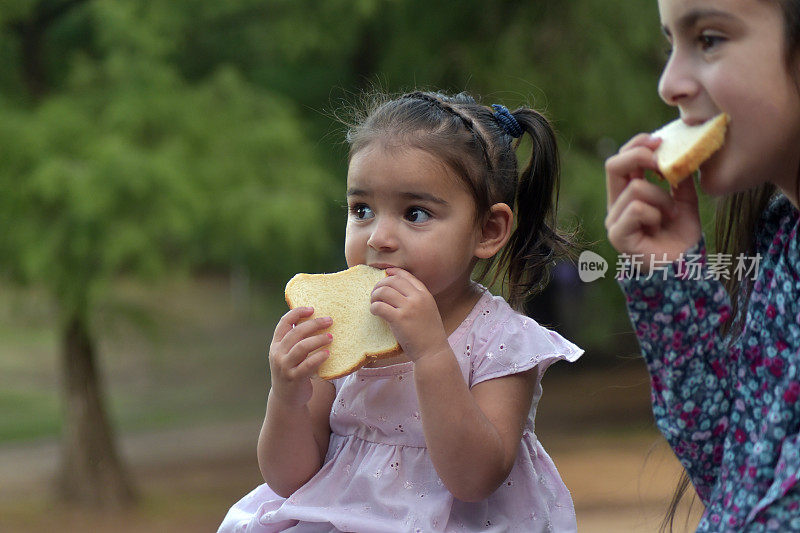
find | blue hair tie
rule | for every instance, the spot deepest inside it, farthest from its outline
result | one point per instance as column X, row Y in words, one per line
column 507, row 121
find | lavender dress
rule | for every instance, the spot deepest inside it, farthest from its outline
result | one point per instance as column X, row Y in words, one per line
column 378, row 475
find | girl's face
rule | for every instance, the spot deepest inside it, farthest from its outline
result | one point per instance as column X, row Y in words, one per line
column 728, row 55
column 409, row 210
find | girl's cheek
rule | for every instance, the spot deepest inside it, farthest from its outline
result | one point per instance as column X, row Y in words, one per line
column 350, row 250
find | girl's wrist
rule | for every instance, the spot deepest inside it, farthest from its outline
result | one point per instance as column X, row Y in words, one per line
column 285, row 401
column 436, row 361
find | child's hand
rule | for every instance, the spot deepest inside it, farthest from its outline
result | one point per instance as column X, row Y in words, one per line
column 291, row 366
column 410, row 309
column 643, row 218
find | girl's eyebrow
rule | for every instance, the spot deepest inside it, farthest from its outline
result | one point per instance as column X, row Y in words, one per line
column 356, row 192
column 689, row 19
column 419, row 196
column 424, row 196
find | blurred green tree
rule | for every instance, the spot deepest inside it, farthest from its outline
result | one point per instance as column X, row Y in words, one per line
column 590, row 65
column 143, row 136
column 115, row 165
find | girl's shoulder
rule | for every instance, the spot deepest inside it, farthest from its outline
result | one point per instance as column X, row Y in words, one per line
column 502, row 341
column 493, row 316
column 777, row 240
column 779, row 215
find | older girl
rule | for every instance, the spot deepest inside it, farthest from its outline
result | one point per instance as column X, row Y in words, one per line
column 724, row 358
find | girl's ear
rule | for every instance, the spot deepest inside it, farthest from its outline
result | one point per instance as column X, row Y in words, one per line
column 495, row 231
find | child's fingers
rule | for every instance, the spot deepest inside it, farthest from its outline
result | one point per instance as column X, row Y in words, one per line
column 685, row 192
column 402, row 281
column 310, row 364
column 641, row 139
column 627, row 166
column 642, row 191
column 289, row 320
column 399, row 273
column 305, row 329
column 300, row 351
column 387, row 294
column 395, row 282
column 638, row 217
column 630, row 163
column 384, row 310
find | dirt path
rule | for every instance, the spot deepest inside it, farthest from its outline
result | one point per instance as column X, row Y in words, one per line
column 185, row 478
column 189, row 477
column 621, row 483
column 595, row 425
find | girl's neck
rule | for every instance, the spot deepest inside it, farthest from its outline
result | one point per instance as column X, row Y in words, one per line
column 454, row 306
column 787, row 183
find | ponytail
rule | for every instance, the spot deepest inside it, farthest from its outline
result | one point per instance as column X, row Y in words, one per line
column 536, row 243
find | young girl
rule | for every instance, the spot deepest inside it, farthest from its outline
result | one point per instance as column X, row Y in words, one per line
column 442, row 437
column 724, row 363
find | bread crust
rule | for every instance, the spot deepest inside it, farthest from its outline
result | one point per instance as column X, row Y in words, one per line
column 697, row 154
column 367, row 357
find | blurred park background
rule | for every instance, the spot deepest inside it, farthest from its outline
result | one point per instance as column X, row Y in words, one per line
column 166, row 166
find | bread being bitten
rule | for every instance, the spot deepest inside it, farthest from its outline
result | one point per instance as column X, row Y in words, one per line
column 358, row 336
column 684, row 148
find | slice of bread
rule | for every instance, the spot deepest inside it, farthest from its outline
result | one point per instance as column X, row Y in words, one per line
column 684, row 148
column 358, row 336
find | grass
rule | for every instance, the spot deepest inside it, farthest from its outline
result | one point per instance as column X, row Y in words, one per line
column 172, row 354
column 28, row 414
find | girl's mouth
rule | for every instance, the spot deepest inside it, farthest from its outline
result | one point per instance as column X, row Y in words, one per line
column 382, row 266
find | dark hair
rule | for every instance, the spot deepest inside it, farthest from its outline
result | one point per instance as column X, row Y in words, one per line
column 735, row 221
column 738, row 213
column 465, row 136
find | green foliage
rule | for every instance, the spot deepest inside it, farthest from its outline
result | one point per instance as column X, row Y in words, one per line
column 129, row 168
column 198, row 134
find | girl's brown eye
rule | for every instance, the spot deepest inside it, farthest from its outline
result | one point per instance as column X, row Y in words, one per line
column 417, row 215
column 708, row 41
column 361, row 211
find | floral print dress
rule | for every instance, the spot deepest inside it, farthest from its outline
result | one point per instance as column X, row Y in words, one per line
column 730, row 407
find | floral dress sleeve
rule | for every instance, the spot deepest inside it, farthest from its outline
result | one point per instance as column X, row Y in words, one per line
column 676, row 315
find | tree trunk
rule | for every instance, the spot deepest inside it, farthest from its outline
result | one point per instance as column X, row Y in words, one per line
column 32, row 32
column 92, row 474
column 31, row 37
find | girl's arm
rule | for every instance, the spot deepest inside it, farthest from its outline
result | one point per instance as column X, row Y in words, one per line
column 294, row 437
column 677, row 322
column 473, row 436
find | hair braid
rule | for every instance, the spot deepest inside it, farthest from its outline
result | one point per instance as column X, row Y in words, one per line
column 465, row 119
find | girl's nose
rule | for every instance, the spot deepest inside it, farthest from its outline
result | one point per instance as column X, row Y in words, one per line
column 677, row 83
column 383, row 236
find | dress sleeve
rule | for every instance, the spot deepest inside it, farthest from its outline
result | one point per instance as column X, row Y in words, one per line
column 515, row 345
column 676, row 314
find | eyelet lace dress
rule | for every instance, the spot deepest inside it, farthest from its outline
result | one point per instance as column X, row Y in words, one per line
column 378, row 475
